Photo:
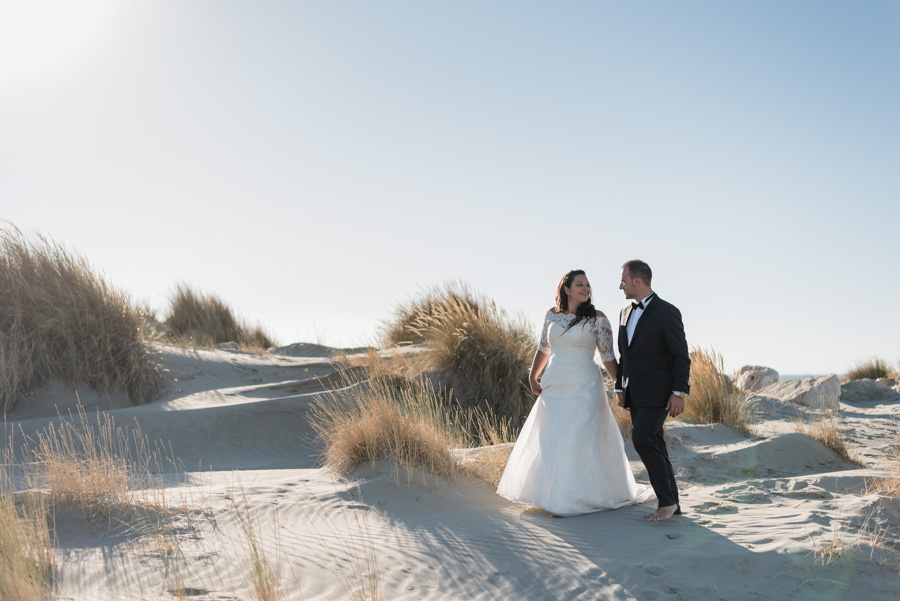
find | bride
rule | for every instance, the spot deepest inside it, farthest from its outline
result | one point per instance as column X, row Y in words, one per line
column 569, row 457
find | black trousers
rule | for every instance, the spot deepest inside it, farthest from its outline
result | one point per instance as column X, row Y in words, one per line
column 650, row 443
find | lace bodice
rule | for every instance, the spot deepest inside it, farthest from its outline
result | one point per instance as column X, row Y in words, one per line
column 578, row 342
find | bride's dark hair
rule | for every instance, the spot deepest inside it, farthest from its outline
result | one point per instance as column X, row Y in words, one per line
column 585, row 310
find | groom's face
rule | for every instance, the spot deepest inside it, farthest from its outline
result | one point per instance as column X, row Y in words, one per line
column 627, row 285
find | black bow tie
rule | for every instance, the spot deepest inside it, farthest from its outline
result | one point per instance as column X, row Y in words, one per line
column 640, row 304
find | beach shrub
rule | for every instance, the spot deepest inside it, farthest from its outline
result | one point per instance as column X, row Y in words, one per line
column 197, row 319
column 409, row 422
column 872, row 368
column 60, row 320
column 478, row 351
column 713, row 398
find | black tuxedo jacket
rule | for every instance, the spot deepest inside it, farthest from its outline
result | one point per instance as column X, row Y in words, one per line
column 657, row 361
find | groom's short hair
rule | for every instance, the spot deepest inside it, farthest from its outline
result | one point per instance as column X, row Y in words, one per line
column 639, row 269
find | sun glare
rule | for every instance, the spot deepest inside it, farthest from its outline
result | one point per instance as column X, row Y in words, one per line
column 37, row 36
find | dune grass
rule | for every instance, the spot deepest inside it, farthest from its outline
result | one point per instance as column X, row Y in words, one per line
column 198, row 319
column 265, row 583
column 889, row 483
column 404, row 325
column 60, row 320
column 872, row 368
column 623, row 418
column 713, row 398
column 103, row 471
column 26, row 544
column 409, row 422
column 826, row 430
column 622, row 415
column 474, row 348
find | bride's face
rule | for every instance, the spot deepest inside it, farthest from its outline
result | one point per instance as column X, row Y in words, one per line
column 580, row 290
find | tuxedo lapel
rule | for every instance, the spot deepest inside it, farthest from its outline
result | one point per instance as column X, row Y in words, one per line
column 626, row 313
column 623, row 327
column 651, row 306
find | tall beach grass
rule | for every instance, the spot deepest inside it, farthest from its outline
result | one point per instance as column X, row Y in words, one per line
column 60, row 320
column 102, row 470
column 198, row 319
column 410, row 423
column 825, row 429
column 404, row 327
column 889, row 483
column 474, row 348
column 27, row 550
column 872, row 368
column 713, row 398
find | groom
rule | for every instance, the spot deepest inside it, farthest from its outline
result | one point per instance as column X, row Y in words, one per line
column 652, row 378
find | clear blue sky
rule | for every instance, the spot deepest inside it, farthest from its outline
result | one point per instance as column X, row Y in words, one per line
column 313, row 163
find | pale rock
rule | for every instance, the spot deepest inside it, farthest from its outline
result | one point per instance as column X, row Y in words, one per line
column 228, row 346
column 822, row 392
column 860, row 391
column 893, row 383
column 755, row 377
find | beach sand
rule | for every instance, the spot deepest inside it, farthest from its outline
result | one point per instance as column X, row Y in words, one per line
column 774, row 517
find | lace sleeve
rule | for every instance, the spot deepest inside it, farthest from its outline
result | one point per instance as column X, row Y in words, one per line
column 602, row 332
column 544, row 344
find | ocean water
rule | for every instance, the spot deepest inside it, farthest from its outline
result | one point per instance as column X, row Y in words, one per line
column 798, row 376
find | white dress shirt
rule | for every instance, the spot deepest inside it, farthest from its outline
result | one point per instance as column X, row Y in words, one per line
column 635, row 316
column 632, row 322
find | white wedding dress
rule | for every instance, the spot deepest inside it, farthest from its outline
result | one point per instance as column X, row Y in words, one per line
column 570, row 458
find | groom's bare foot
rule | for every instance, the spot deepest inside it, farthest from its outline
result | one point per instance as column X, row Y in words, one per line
column 664, row 513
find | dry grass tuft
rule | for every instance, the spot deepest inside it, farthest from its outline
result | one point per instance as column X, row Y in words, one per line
column 103, row 471
column 476, row 348
column 889, row 483
column 834, row 548
column 713, row 398
column 404, row 328
column 197, row 319
column 409, row 422
column 622, row 415
column 61, row 321
column 872, row 369
column 623, row 418
column 264, row 580
column 26, row 546
column 827, row 431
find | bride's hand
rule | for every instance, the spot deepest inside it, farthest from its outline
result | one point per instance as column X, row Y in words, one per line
column 535, row 387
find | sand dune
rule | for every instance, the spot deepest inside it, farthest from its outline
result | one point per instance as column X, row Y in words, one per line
column 758, row 510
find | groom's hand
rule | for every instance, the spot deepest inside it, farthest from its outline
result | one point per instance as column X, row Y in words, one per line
column 675, row 405
column 620, row 398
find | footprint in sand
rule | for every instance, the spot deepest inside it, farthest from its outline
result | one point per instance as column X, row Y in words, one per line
column 715, row 508
column 593, row 574
column 657, row 571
